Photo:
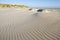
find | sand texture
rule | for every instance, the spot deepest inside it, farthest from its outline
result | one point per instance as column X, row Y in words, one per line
column 19, row 24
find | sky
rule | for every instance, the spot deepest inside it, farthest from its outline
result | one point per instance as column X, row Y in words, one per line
column 34, row 3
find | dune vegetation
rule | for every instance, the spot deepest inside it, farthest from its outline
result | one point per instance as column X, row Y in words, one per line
column 12, row 6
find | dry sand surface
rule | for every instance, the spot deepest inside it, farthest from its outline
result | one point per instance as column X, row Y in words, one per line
column 20, row 24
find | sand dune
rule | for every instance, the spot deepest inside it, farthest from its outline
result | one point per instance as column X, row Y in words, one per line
column 24, row 25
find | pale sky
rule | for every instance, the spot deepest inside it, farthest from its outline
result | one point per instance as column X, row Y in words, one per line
column 34, row 3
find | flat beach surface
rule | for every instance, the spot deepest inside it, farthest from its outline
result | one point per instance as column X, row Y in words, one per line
column 20, row 24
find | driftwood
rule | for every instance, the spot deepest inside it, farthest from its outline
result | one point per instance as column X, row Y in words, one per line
column 39, row 10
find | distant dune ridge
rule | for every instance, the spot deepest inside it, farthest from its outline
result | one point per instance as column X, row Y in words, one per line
column 12, row 6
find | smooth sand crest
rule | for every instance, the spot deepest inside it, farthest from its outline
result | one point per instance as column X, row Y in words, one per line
column 20, row 24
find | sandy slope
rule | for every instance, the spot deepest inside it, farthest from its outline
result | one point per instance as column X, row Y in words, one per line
column 16, row 24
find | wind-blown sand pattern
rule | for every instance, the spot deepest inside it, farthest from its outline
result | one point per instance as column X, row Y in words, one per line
column 19, row 24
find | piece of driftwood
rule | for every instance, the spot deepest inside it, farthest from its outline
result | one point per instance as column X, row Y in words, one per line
column 39, row 10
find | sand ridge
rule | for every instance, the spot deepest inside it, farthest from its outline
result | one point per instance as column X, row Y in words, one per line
column 24, row 25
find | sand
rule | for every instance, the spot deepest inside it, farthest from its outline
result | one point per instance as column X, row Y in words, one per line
column 20, row 24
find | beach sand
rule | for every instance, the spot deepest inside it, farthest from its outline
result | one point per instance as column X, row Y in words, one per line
column 20, row 24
